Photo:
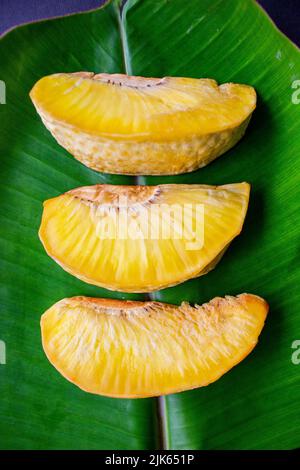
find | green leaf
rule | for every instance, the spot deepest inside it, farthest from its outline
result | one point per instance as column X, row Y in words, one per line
column 255, row 406
column 38, row 408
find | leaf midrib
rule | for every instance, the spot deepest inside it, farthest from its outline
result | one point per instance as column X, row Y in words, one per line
column 163, row 432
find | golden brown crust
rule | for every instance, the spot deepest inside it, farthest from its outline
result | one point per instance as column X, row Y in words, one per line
column 110, row 303
column 245, row 299
column 113, row 194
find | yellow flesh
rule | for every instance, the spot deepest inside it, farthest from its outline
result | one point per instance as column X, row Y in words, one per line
column 140, row 349
column 122, row 108
column 137, row 126
column 74, row 232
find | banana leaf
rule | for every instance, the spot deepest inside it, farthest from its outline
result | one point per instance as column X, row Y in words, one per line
column 254, row 406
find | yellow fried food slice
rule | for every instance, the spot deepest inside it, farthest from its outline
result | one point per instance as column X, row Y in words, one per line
column 135, row 125
column 131, row 349
column 142, row 238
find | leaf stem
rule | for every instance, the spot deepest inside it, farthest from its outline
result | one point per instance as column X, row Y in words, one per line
column 121, row 13
column 126, row 55
column 162, row 416
column 164, row 442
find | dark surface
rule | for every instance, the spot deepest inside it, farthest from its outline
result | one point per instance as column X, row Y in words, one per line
column 285, row 13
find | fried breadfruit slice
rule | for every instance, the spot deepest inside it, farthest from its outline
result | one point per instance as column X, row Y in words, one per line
column 136, row 125
column 130, row 349
column 142, row 238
